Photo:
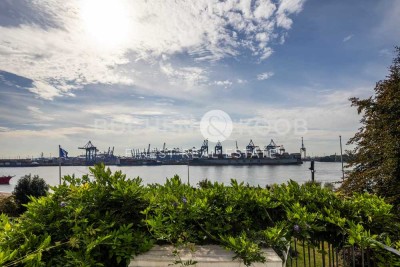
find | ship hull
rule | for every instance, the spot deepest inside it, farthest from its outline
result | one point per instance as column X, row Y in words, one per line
column 5, row 179
column 247, row 161
column 138, row 162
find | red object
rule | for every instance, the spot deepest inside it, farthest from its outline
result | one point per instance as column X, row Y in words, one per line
column 5, row 179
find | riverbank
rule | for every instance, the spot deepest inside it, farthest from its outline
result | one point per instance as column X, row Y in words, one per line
column 4, row 194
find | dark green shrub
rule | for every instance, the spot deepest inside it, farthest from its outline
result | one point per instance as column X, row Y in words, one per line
column 8, row 206
column 29, row 187
column 204, row 183
column 311, row 183
column 329, row 186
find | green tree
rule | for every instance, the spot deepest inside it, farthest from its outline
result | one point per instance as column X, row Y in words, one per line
column 27, row 187
column 376, row 157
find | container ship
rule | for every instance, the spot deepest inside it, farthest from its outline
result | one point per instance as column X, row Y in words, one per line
column 271, row 154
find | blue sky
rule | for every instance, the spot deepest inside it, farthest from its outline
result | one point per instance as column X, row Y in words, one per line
column 128, row 73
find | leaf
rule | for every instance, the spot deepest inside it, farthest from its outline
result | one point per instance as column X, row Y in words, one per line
column 45, row 243
column 7, row 227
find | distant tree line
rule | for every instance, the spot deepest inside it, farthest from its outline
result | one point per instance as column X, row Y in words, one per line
column 334, row 158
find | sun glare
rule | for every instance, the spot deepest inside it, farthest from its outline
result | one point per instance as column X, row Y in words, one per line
column 106, row 22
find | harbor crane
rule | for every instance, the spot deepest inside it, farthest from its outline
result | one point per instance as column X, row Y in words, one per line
column 303, row 149
column 109, row 154
column 271, row 145
column 250, row 147
column 218, row 149
column 272, row 149
column 204, row 148
column 91, row 153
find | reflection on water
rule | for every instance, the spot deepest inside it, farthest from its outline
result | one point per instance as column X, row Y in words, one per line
column 254, row 175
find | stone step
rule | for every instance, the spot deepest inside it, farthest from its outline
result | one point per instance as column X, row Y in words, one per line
column 205, row 256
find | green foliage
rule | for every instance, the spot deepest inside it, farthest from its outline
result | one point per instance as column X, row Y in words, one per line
column 106, row 219
column 8, row 206
column 28, row 187
column 376, row 157
column 244, row 219
column 85, row 222
column 329, row 186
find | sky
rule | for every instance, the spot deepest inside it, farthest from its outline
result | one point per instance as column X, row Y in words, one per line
column 129, row 73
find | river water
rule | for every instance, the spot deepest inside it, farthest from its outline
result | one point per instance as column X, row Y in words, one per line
column 254, row 175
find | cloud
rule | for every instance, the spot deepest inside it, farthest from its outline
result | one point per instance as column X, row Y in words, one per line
column 265, row 76
column 347, row 38
column 39, row 115
column 44, row 90
column 190, row 76
column 286, row 8
column 64, row 45
column 225, row 83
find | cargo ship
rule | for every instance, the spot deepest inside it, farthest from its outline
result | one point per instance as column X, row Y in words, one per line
column 291, row 160
column 272, row 154
column 137, row 162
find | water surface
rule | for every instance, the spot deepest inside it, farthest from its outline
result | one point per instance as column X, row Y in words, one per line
column 254, row 175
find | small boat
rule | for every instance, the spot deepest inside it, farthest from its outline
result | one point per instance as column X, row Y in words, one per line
column 5, row 179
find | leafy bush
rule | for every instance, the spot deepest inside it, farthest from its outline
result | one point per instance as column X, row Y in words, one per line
column 29, row 187
column 245, row 219
column 8, row 206
column 83, row 223
column 106, row 220
column 329, row 186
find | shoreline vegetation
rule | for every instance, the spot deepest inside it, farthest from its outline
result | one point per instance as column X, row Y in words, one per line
column 107, row 219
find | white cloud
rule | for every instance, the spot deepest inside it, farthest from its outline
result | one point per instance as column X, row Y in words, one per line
column 265, row 76
column 347, row 38
column 126, row 119
column 44, row 90
column 71, row 51
column 53, row 58
column 286, row 8
column 225, row 83
column 190, row 76
column 39, row 115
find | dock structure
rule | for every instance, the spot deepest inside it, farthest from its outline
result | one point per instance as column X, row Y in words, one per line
column 91, row 153
column 218, row 149
column 303, row 153
column 271, row 154
column 204, row 148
